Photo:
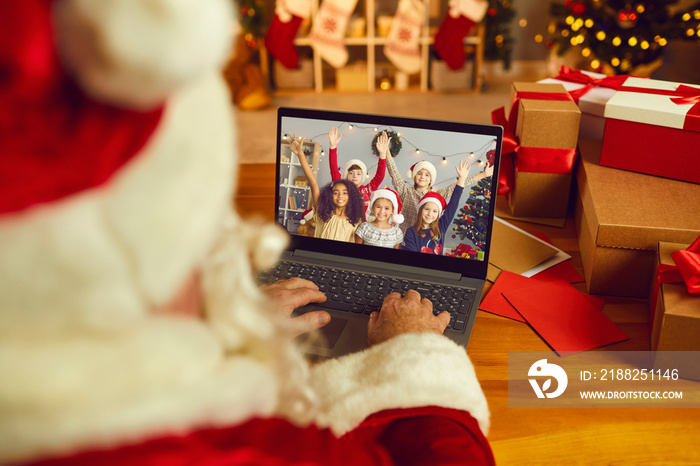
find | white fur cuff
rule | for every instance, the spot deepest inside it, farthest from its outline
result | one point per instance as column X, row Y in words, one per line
column 408, row 371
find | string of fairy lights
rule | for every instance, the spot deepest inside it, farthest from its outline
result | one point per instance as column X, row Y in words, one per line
column 478, row 155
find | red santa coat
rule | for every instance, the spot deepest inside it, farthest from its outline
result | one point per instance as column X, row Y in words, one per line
column 418, row 436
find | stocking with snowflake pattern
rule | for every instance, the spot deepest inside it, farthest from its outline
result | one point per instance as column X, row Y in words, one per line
column 403, row 47
column 328, row 30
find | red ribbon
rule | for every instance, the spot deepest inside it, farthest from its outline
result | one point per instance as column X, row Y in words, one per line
column 576, row 76
column 686, row 270
column 528, row 159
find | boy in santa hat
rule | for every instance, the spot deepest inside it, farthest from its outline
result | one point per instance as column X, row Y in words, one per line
column 131, row 327
column 355, row 170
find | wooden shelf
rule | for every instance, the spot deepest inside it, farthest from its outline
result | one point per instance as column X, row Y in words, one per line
column 475, row 42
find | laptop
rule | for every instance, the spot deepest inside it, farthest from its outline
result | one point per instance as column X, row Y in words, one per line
column 358, row 276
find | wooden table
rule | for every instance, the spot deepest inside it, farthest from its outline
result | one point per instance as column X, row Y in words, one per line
column 547, row 436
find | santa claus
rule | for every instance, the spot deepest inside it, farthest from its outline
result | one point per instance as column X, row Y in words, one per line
column 131, row 327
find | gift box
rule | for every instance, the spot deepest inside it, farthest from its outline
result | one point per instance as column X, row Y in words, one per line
column 675, row 313
column 657, row 132
column 621, row 216
column 351, row 78
column 591, row 98
column 544, row 121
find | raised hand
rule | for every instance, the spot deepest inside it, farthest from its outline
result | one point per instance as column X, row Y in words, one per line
column 297, row 146
column 383, row 144
column 488, row 171
column 334, row 137
column 462, row 172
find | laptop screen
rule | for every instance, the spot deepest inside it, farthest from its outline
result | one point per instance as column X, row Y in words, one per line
column 448, row 230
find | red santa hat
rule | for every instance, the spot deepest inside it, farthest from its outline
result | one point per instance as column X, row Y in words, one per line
column 352, row 162
column 306, row 216
column 436, row 199
column 386, row 193
column 423, row 165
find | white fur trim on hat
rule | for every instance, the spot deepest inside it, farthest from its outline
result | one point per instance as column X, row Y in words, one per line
column 407, row 371
column 397, row 217
column 357, row 162
column 423, row 165
column 136, row 52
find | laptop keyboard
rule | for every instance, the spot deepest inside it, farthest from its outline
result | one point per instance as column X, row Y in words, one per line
column 363, row 293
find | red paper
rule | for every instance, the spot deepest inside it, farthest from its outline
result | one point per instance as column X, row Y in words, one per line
column 563, row 270
column 636, row 147
column 569, row 321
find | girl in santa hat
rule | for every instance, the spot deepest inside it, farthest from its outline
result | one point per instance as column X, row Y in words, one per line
column 434, row 217
column 355, row 170
column 385, row 217
column 338, row 205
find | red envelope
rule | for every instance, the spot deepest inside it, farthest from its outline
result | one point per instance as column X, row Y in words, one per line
column 569, row 321
column 563, row 270
column 495, row 303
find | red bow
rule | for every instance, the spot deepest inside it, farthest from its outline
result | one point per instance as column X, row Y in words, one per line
column 686, row 270
column 576, row 76
column 691, row 95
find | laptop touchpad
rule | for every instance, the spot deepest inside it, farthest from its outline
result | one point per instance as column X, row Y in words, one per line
column 330, row 332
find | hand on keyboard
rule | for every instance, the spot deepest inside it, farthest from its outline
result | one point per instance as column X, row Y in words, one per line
column 296, row 292
column 409, row 314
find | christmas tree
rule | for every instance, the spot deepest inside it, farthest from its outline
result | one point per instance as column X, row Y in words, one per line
column 470, row 222
column 619, row 36
column 498, row 40
column 251, row 16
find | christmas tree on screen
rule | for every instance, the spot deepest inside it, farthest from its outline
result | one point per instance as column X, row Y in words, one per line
column 619, row 36
column 470, row 221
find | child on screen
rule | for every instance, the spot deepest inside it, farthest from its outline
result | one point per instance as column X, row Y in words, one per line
column 384, row 217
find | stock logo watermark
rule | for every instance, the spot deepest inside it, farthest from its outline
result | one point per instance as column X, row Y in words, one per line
column 600, row 379
column 551, row 371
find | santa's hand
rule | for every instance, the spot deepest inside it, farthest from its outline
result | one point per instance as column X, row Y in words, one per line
column 296, row 292
column 409, row 314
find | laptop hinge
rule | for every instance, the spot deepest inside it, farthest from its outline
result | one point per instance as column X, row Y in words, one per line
column 363, row 264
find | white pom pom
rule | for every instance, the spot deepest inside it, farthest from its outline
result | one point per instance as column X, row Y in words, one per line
column 409, row 174
column 398, row 219
column 136, row 52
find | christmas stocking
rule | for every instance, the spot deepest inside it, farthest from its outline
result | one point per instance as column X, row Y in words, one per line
column 328, row 30
column 279, row 40
column 402, row 46
column 449, row 40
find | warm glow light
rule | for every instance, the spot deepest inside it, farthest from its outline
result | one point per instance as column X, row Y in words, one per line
column 696, row 14
column 600, row 35
column 350, row 126
column 640, row 8
column 574, row 41
column 565, row 32
column 575, row 27
column 632, row 41
column 616, row 41
column 657, row 38
column 522, row 23
column 625, row 65
column 375, row 130
column 552, row 28
column 686, row 17
column 385, row 85
column 538, row 38
column 589, row 23
column 417, row 151
column 595, row 64
column 586, row 52
column 644, row 45
column 615, row 62
column 690, row 32
column 444, row 160
column 663, row 42
column 569, row 20
column 471, row 154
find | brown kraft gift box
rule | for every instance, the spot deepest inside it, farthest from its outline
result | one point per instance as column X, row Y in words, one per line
column 548, row 124
column 621, row 216
column 675, row 319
